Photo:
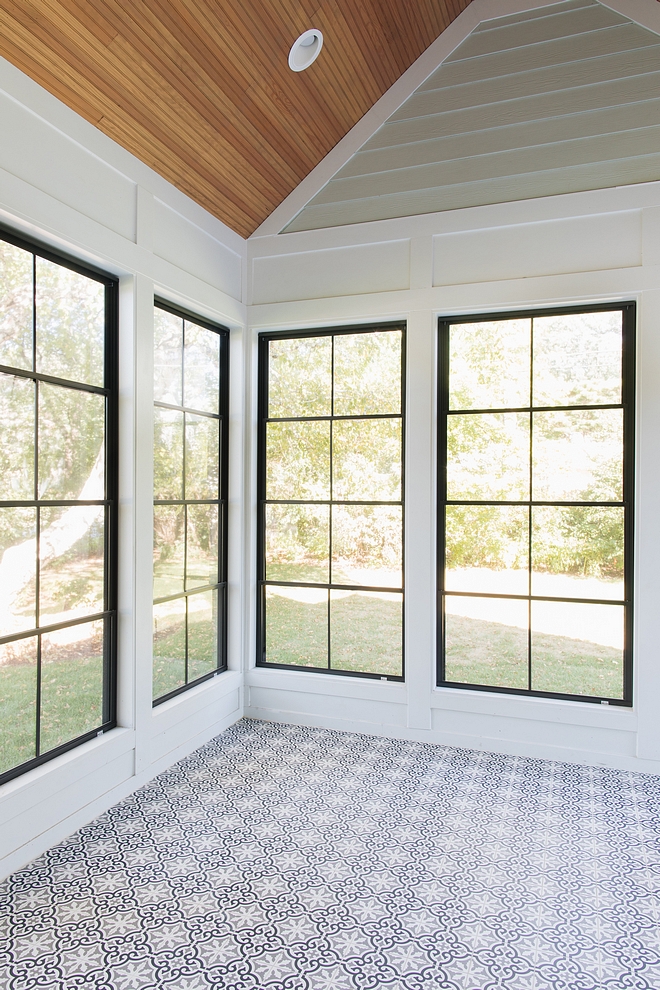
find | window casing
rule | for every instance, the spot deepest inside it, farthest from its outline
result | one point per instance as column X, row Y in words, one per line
column 330, row 491
column 58, row 504
column 535, row 526
column 191, row 406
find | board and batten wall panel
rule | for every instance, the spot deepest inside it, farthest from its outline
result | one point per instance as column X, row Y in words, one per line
column 65, row 184
column 591, row 247
column 116, row 772
column 307, row 708
column 552, row 247
column 182, row 242
column 342, row 271
column 196, row 714
column 33, row 150
column 531, row 737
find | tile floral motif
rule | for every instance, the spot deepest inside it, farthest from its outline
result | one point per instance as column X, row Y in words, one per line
column 287, row 858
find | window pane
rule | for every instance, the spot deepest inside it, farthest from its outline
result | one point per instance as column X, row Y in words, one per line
column 300, row 377
column 202, row 546
column 298, row 461
column 202, row 634
column 366, row 632
column 71, row 554
column 16, row 438
column 578, row 455
column 489, row 364
column 366, row 460
column 578, row 649
column 486, row 641
column 488, row 457
column 297, row 543
column 486, row 549
column 169, row 668
column 15, row 306
column 577, row 552
column 71, row 683
column 70, row 324
column 187, row 552
column 18, row 559
column 168, row 549
column 368, row 373
column 367, row 545
column 202, row 456
column 577, row 359
column 168, row 454
column 18, row 703
column 168, row 353
column 71, row 431
column 297, row 626
column 201, row 361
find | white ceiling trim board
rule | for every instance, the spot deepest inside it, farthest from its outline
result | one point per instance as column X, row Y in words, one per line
column 642, row 196
column 646, row 13
column 396, row 95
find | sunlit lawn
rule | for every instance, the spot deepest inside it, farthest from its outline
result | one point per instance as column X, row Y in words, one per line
column 366, row 636
column 71, row 705
column 491, row 653
column 170, row 651
column 365, row 633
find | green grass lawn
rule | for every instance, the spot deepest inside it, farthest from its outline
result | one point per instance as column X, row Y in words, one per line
column 169, row 670
column 365, row 633
column 71, row 693
column 492, row 654
column 365, row 636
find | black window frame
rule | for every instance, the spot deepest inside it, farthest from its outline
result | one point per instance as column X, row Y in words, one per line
column 110, row 390
column 262, row 419
column 628, row 370
column 222, row 501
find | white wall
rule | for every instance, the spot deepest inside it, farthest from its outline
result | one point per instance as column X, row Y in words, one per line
column 579, row 248
column 64, row 183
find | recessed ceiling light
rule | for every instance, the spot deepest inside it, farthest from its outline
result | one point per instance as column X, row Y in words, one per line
column 305, row 49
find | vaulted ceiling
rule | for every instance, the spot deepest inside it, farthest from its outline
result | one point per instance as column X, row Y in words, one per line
column 561, row 98
column 200, row 90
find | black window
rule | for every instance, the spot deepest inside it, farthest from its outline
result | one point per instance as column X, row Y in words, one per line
column 330, row 529
column 191, row 399
column 536, row 501
column 58, row 504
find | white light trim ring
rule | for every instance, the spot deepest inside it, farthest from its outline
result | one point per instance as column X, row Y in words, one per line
column 305, row 50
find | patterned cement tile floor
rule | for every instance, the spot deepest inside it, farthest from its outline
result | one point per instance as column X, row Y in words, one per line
column 287, row 858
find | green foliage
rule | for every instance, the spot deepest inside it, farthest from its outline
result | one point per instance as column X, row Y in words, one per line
column 486, row 536
column 584, row 541
column 69, row 337
column 16, row 292
column 577, row 454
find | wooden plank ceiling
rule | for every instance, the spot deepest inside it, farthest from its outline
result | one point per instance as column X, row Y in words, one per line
column 200, row 90
column 554, row 100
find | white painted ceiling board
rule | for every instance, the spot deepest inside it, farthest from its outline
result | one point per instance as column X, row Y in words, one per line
column 489, row 37
column 518, row 85
column 525, row 15
column 562, row 98
column 590, row 44
column 610, row 120
column 505, row 189
column 520, row 161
